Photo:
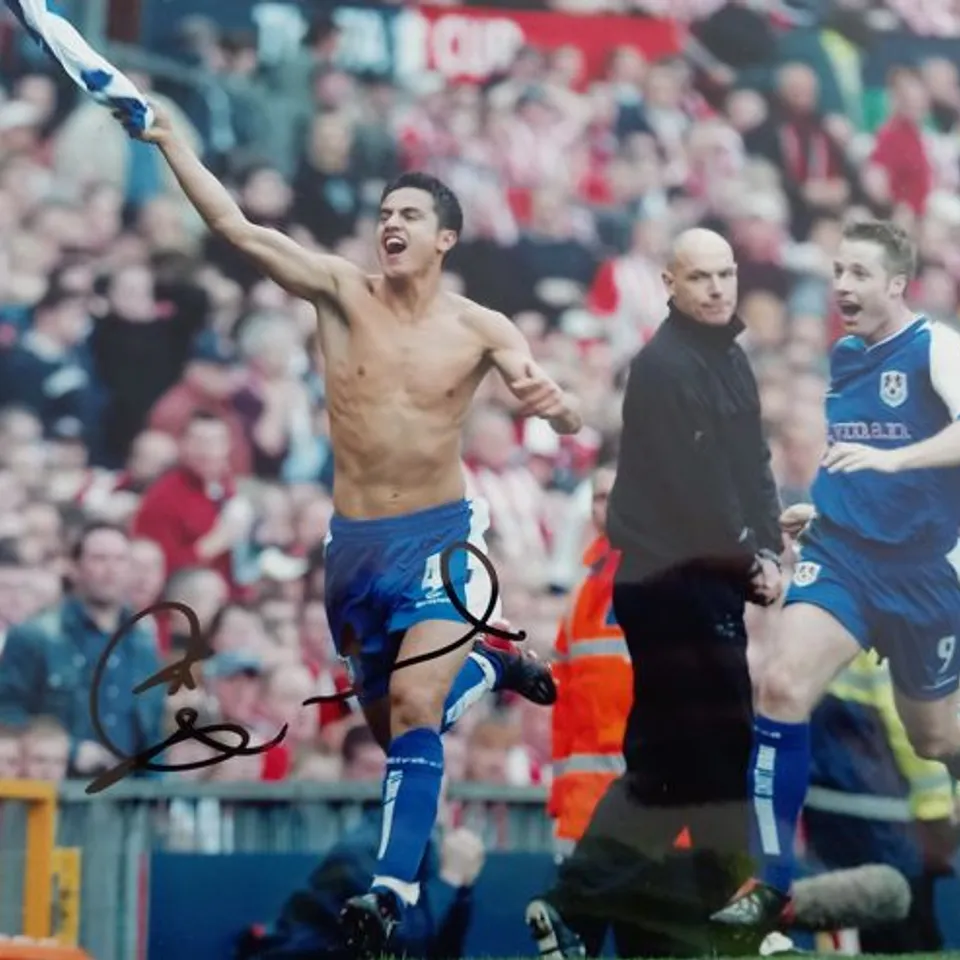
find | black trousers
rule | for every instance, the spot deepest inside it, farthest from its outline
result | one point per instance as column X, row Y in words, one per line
column 687, row 749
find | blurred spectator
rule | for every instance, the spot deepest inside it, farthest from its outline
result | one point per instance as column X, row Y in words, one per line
column 835, row 45
column 282, row 705
column 40, row 676
column 289, row 81
column 204, row 592
column 238, row 628
column 115, row 495
column 629, row 290
column 317, row 653
column 265, row 197
column 234, row 681
column 19, row 129
column 11, row 761
column 18, row 428
column 555, row 263
column 273, row 404
column 798, row 143
column 902, row 171
column 375, row 155
column 192, row 511
column 327, row 188
column 455, row 756
column 129, row 166
column 46, row 749
column 436, row 927
column 942, row 81
column 210, row 381
column 41, row 543
column 46, row 374
column 148, row 573
column 141, row 345
column 499, row 475
column 488, row 751
column 736, row 43
column 13, row 595
column 239, row 117
column 937, row 294
column 363, row 757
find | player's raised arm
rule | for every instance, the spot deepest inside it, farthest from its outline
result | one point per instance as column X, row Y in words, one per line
column 541, row 396
column 301, row 272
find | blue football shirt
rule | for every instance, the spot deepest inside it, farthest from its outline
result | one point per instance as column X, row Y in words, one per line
column 890, row 394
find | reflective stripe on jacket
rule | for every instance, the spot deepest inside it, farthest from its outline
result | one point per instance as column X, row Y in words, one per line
column 595, row 680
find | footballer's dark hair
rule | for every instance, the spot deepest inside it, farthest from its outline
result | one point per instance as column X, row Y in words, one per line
column 445, row 202
column 899, row 251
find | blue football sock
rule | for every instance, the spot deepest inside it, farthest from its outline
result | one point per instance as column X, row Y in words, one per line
column 411, row 792
column 779, row 775
column 478, row 675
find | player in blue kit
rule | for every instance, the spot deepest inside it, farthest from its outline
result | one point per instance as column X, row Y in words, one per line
column 873, row 569
column 403, row 361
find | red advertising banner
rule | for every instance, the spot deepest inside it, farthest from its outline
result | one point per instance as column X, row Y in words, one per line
column 472, row 44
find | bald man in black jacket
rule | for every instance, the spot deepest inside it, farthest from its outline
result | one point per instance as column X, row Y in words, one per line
column 695, row 514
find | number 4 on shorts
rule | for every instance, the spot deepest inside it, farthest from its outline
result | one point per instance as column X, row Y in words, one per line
column 432, row 577
column 946, row 648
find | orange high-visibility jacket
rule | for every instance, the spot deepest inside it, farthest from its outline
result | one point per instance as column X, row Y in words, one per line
column 595, row 683
column 595, row 692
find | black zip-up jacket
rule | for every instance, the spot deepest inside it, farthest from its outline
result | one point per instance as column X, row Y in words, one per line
column 694, row 483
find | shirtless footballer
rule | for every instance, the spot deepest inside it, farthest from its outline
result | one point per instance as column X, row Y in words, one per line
column 403, row 361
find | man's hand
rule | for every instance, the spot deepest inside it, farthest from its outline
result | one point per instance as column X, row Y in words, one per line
column 93, row 757
column 461, row 857
column 160, row 130
column 234, row 525
column 938, row 841
column 537, row 392
column 794, row 520
column 541, row 396
column 766, row 584
column 237, row 518
column 853, row 457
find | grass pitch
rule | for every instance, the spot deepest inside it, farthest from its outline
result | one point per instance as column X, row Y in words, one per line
column 946, row 955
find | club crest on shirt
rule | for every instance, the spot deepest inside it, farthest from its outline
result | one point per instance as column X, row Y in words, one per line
column 805, row 573
column 893, row 387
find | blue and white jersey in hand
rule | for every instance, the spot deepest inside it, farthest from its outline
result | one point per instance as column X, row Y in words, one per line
column 899, row 391
column 87, row 68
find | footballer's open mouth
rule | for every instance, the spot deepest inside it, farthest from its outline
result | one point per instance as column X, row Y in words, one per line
column 849, row 309
column 394, row 244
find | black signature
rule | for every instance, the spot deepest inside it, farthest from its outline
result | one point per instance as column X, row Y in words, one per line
column 481, row 625
column 174, row 676
column 179, row 674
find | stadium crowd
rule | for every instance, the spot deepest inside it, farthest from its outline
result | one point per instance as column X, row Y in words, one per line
column 151, row 382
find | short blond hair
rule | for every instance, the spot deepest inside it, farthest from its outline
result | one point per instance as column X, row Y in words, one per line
column 900, row 252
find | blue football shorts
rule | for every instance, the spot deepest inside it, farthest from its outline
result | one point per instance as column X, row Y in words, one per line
column 906, row 607
column 384, row 576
